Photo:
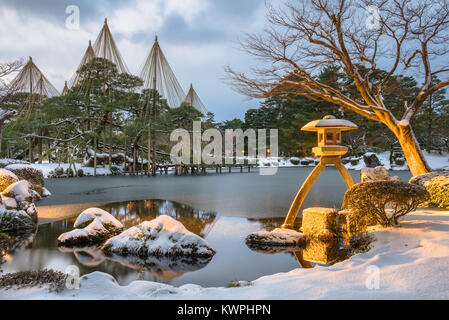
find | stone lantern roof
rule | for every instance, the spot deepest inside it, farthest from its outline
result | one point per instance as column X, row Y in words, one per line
column 329, row 122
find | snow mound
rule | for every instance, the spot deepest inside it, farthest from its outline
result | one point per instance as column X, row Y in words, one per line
column 20, row 190
column 6, row 162
column 163, row 236
column 276, row 238
column 92, row 227
column 105, row 218
column 9, row 203
column 93, row 233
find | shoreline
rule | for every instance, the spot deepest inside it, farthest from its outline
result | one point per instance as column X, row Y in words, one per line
column 417, row 250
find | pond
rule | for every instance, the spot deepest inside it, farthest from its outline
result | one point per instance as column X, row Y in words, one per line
column 233, row 260
column 231, row 207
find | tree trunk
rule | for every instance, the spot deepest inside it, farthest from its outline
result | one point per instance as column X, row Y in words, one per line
column 110, row 144
column 412, row 151
column 95, row 157
column 429, row 134
column 39, row 133
column 30, row 150
column 154, row 156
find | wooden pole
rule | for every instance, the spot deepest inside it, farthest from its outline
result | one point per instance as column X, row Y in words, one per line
column 305, row 188
column 301, row 195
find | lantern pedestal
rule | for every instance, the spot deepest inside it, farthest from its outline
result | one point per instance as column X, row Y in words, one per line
column 305, row 188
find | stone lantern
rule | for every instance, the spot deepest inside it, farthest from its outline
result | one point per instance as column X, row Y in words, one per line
column 330, row 150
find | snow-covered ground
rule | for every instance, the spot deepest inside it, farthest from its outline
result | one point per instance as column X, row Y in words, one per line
column 46, row 168
column 410, row 262
column 436, row 161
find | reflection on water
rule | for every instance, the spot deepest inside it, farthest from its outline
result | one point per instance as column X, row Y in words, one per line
column 132, row 213
column 233, row 260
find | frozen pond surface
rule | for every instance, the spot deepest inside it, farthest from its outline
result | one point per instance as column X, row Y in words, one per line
column 223, row 209
column 237, row 194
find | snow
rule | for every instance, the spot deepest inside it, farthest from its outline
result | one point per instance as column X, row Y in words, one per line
column 93, row 226
column 92, row 230
column 411, row 262
column 19, row 166
column 329, row 123
column 436, row 161
column 163, row 236
column 9, row 203
column 7, row 162
column 46, row 192
column 47, row 168
column 20, row 190
column 104, row 217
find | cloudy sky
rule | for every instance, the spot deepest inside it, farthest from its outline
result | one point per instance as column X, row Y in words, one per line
column 199, row 38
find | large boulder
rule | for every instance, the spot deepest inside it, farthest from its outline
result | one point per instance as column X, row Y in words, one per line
column 92, row 227
column 371, row 160
column 6, row 179
column 20, row 196
column 27, row 172
column 107, row 220
column 20, row 190
column 163, row 236
column 276, row 238
column 379, row 173
column 437, row 184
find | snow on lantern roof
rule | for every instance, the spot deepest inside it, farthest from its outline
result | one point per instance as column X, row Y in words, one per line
column 330, row 122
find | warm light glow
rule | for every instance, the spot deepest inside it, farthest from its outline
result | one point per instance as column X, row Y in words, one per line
column 131, row 205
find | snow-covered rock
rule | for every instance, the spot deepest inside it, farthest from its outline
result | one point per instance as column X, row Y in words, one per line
column 277, row 238
column 107, row 220
column 20, row 190
column 19, row 196
column 163, row 236
column 93, row 227
column 7, row 178
column 379, row 173
column 9, row 203
column 371, row 160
